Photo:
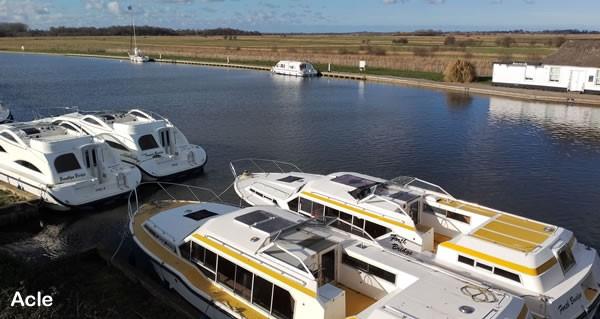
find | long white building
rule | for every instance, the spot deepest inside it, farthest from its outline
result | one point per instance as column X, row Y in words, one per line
column 574, row 68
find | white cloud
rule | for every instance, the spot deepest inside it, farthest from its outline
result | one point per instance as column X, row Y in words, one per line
column 114, row 8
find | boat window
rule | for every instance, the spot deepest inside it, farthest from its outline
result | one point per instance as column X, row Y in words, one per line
column 186, row 250
column 226, row 272
column 466, row 260
column 206, row 259
column 28, row 165
column 243, row 283
column 330, row 212
column 147, row 142
column 115, row 145
column 344, row 226
column 459, row 217
column 293, row 204
column 507, row 274
column 66, row 163
column 305, row 205
column 360, row 225
column 2, row 149
column 317, row 211
column 375, row 230
column 200, row 215
column 92, row 121
column 484, row 266
column 428, row 209
column 261, row 293
column 566, row 259
column 368, row 268
column 68, row 126
column 283, row 304
column 8, row 137
column 31, row 131
column 290, row 179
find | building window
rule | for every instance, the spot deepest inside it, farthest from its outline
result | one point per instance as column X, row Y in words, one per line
column 598, row 77
column 28, row 165
column 66, row 163
column 555, row 74
column 147, row 142
column 591, row 79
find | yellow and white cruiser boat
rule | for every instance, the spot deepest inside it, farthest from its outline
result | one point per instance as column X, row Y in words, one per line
column 556, row 275
column 266, row 262
column 144, row 139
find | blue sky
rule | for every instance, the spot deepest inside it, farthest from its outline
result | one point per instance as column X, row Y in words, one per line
column 311, row 15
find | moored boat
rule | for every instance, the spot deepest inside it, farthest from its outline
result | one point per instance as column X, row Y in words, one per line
column 266, row 262
column 295, row 68
column 557, row 275
column 64, row 167
column 144, row 139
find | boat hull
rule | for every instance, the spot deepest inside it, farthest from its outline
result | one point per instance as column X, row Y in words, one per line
column 54, row 199
column 173, row 281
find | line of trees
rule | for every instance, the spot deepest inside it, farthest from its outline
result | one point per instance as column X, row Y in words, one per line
column 22, row 30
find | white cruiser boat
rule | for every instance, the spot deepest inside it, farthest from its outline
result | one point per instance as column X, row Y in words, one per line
column 266, row 262
column 295, row 68
column 556, row 275
column 65, row 168
column 144, row 139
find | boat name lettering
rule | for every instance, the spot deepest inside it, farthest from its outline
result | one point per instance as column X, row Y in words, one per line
column 100, row 189
column 70, row 177
column 571, row 301
column 398, row 244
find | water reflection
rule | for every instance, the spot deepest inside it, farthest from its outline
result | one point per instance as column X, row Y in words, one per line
column 458, row 100
column 566, row 122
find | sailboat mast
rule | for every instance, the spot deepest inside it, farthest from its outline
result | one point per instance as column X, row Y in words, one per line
column 133, row 24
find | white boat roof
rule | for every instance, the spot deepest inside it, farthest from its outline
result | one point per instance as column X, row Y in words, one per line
column 44, row 136
column 251, row 230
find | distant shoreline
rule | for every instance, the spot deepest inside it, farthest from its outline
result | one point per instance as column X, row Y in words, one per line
column 569, row 98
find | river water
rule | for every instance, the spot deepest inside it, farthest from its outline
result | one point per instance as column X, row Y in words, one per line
column 538, row 160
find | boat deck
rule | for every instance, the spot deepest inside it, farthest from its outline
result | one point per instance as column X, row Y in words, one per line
column 355, row 301
column 186, row 269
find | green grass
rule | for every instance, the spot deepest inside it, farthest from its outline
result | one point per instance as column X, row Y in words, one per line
column 82, row 286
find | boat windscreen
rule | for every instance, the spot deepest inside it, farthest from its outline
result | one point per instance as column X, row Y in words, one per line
column 290, row 179
column 31, row 130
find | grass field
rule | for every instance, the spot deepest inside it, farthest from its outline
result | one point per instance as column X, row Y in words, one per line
column 411, row 56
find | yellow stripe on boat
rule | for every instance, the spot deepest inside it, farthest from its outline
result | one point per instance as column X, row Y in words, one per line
column 254, row 264
column 468, row 207
column 185, row 268
column 501, row 262
column 359, row 211
column 523, row 313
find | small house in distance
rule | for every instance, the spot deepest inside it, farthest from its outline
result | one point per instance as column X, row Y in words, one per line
column 574, row 67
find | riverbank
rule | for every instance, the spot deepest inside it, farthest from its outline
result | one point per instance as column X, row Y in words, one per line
column 403, row 78
column 16, row 205
column 82, row 286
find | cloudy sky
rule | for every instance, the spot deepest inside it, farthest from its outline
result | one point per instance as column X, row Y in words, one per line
column 310, row 15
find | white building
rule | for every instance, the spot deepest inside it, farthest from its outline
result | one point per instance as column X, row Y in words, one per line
column 575, row 67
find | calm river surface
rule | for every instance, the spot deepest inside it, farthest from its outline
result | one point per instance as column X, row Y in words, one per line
column 538, row 160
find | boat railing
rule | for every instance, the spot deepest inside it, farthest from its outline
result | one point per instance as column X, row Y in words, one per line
column 45, row 112
column 352, row 226
column 259, row 165
column 167, row 188
column 281, row 271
